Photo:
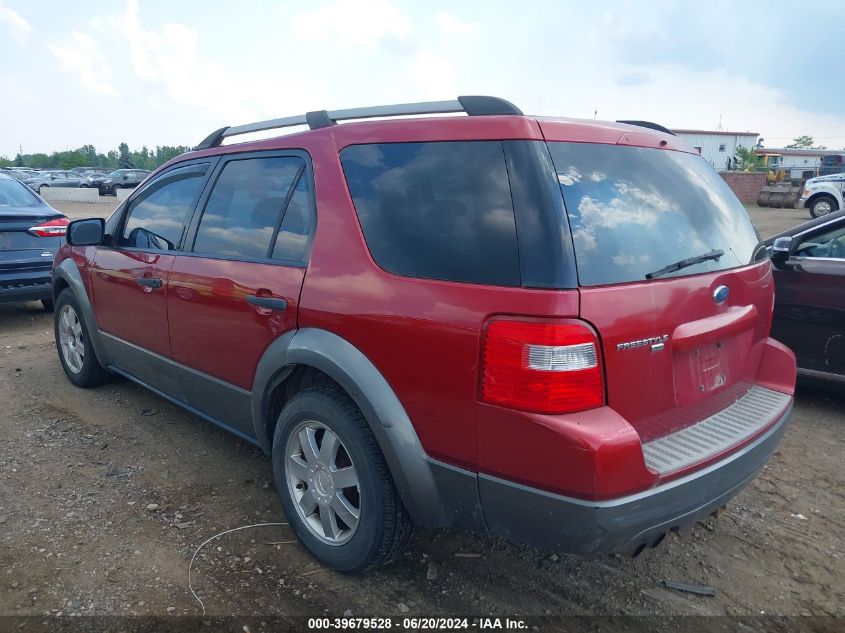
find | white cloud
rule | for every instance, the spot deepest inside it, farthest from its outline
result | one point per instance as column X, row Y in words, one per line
column 171, row 57
column 363, row 23
column 570, row 176
column 82, row 57
column 453, row 25
column 19, row 29
column 629, row 259
column 434, row 74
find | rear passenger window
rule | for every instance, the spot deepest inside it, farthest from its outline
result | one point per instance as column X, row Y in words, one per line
column 157, row 219
column 245, row 206
column 297, row 225
column 436, row 210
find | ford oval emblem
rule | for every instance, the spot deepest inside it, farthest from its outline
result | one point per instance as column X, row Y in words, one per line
column 720, row 294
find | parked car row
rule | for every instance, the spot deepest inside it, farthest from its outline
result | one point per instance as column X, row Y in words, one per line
column 107, row 184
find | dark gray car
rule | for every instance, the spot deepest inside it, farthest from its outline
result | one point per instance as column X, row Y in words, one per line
column 31, row 231
column 119, row 179
column 56, row 179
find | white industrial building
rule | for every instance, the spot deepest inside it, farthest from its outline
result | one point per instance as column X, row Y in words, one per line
column 717, row 146
column 792, row 158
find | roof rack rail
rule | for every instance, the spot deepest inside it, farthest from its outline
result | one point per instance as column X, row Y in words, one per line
column 472, row 105
column 650, row 125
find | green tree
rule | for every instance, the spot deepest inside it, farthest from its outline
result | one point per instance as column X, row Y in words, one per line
column 801, row 142
column 804, row 142
column 164, row 153
column 747, row 160
column 124, row 160
column 39, row 161
column 5, row 162
column 18, row 160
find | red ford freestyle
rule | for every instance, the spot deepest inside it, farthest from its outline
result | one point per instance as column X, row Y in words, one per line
column 551, row 330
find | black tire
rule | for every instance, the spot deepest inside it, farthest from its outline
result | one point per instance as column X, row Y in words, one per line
column 48, row 304
column 113, row 190
column 91, row 373
column 41, row 188
column 823, row 205
column 384, row 527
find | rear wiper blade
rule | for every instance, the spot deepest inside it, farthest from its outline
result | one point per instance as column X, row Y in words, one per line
column 689, row 261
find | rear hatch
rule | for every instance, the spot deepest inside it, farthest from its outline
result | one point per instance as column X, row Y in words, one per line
column 667, row 273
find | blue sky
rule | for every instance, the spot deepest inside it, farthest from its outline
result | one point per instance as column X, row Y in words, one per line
column 154, row 72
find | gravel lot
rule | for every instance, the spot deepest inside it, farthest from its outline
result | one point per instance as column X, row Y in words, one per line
column 106, row 493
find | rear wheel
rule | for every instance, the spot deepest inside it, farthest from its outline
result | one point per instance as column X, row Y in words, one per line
column 74, row 345
column 822, row 206
column 334, row 483
column 41, row 188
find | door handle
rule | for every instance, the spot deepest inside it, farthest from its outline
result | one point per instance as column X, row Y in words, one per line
column 271, row 303
column 148, row 282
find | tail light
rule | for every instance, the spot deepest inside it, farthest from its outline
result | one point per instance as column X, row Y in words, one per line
column 51, row 228
column 542, row 367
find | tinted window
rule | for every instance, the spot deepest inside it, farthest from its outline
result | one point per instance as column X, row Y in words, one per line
column 156, row 220
column 436, row 210
column 633, row 211
column 830, row 243
column 243, row 210
column 297, row 225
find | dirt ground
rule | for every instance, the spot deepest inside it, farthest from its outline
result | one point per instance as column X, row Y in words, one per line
column 106, row 493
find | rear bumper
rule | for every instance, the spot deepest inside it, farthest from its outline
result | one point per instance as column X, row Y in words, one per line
column 622, row 525
column 25, row 285
column 29, row 292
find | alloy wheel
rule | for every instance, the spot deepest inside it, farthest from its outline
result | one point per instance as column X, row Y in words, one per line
column 323, row 482
column 71, row 339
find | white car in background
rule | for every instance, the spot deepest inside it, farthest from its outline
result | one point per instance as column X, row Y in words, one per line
column 824, row 194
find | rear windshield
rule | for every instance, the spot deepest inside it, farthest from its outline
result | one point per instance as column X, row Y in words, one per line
column 14, row 194
column 634, row 211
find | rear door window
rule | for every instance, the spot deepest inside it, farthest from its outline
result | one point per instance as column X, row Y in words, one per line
column 436, row 210
column 245, row 207
column 634, row 211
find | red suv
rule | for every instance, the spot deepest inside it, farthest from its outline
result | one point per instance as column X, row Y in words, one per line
column 551, row 330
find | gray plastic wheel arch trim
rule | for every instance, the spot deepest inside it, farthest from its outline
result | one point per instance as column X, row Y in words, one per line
column 343, row 362
column 68, row 272
column 410, row 466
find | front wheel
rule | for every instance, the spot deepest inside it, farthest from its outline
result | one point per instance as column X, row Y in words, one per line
column 334, row 484
column 76, row 352
column 41, row 189
column 822, row 206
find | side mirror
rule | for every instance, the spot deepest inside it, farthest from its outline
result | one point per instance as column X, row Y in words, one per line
column 126, row 176
column 89, row 232
column 780, row 251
